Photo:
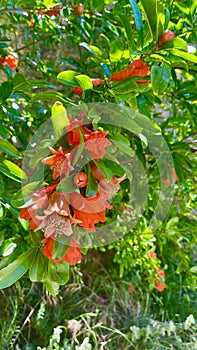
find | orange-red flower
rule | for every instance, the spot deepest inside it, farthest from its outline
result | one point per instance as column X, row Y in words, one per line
column 166, row 36
column 132, row 288
column 95, row 143
column 73, row 253
column 40, row 200
column 175, row 177
column 89, row 210
column 161, row 273
column 53, row 224
column 60, row 162
column 11, row 60
column 73, row 132
column 57, row 218
column 152, row 255
column 97, row 81
column 160, row 285
column 137, row 68
column 54, row 11
column 96, row 172
column 77, row 90
column 81, row 179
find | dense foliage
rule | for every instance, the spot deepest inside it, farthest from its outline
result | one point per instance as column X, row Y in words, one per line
column 98, row 173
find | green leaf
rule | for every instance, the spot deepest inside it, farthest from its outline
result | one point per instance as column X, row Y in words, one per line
column 58, row 273
column 59, row 119
column 68, row 78
column 104, row 169
column 5, row 90
column 116, row 50
column 94, row 50
column 193, row 269
column 67, row 185
column 60, row 246
column 128, row 29
column 124, row 147
column 125, row 87
column 160, row 77
column 14, row 271
column 3, row 3
column 138, row 20
column 92, row 187
column 155, row 14
column 38, row 268
column 52, row 287
column 20, row 83
column 185, row 9
column 8, row 148
column 176, row 43
column 12, row 170
column 114, row 167
column 24, row 195
column 50, row 96
column 85, row 82
column 34, row 268
column 80, row 149
column 8, row 247
column 186, row 56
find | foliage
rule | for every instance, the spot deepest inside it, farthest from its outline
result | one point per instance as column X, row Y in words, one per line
column 62, row 59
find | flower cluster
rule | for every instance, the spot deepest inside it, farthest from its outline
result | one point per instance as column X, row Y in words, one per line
column 160, row 275
column 55, row 212
column 10, row 60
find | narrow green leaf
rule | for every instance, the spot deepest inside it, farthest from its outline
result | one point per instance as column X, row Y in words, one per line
column 50, row 96
column 59, row 119
column 3, row 3
column 12, row 170
column 67, row 185
column 34, row 268
column 8, row 148
column 104, row 169
column 5, row 90
column 38, row 268
column 24, row 195
column 160, row 77
column 128, row 29
column 176, row 43
column 60, row 246
column 114, row 167
column 14, row 271
column 155, row 14
column 182, row 7
column 20, row 83
column 94, row 50
column 186, row 56
column 138, row 20
column 116, row 50
column 80, row 148
column 92, row 187
column 124, row 147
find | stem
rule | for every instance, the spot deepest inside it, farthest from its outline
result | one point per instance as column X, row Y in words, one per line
column 27, row 320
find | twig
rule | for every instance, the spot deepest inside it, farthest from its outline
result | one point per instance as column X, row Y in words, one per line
column 24, row 324
column 33, row 42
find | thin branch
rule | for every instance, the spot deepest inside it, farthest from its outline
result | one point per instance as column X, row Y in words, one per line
column 33, row 42
column 27, row 320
